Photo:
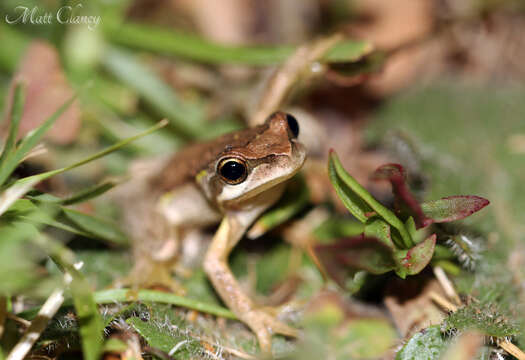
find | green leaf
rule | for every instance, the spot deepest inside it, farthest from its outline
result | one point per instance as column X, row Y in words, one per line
column 14, row 120
column 412, row 261
column 453, row 208
column 378, row 228
column 350, row 199
column 166, row 338
column 334, row 228
column 426, row 344
column 171, row 42
column 359, row 201
column 97, row 227
column 29, row 142
column 410, row 225
column 369, row 255
column 187, row 117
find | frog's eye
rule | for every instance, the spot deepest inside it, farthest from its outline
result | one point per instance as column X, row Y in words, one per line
column 293, row 125
column 232, row 170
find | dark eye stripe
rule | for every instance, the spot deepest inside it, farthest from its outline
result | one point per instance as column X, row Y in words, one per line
column 233, row 171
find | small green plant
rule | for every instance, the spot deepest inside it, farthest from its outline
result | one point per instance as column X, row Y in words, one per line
column 398, row 239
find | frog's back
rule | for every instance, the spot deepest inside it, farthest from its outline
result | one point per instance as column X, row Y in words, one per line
column 184, row 165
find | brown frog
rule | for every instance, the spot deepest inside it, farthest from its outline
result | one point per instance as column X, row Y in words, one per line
column 230, row 180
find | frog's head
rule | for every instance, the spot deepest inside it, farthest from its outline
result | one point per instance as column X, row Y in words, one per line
column 270, row 156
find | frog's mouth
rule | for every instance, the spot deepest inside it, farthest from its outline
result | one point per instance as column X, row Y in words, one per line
column 266, row 175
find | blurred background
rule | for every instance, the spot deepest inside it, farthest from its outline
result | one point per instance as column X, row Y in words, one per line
column 436, row 85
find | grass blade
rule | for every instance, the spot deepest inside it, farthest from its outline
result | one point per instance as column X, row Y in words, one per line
column 96, row 227
column 14, row 118
column 121, row 295
column 89, row 319
column 170, row 42
column 109, row 150
column 30, row 140
column 20, row 187
column 90, row 193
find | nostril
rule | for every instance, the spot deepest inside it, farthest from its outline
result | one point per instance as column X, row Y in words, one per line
column 293, row 125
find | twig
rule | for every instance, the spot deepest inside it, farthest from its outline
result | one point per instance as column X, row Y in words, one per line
column 512, row 349
column 21, row 321
column 39, row 323
column 441, row 301
column 33, row 332
column 446, row 284
column 286, row 76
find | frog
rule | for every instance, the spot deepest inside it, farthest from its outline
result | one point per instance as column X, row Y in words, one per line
column 230, row 181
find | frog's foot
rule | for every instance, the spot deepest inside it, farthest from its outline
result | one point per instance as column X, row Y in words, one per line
column 264, row 324
column 152, row 276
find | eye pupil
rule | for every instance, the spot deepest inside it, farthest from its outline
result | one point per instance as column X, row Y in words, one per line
column 293, row 125
column 233, row 171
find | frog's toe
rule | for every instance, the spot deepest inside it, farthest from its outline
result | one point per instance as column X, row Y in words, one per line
column 264, row 325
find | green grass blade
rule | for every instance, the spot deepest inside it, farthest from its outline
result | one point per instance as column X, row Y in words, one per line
column 29, row 142
column 184, row 116
column 90, row 193
column 89, row 319
column 109, row 150
column 68, row 220
column 174, row 43
column 20, row 187
column 110, row 296
column 122, row 295
column 14, row 118
column 96, row 227
column 365, row 196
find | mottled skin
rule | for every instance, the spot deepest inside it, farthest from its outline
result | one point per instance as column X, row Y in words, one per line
column 198, row 196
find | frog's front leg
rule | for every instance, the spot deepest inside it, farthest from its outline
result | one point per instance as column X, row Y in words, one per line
column 262, row 323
